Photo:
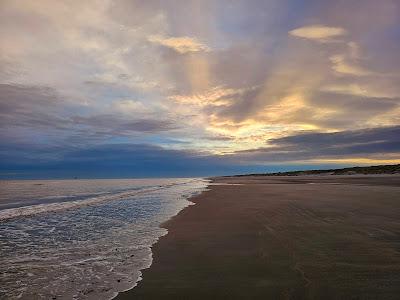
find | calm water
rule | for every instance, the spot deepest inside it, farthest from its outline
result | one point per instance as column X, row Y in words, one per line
column 83, row 239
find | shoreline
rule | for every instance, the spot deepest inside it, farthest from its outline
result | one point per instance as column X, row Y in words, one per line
column 101, row 248
column 289, row 239
column 163, row 225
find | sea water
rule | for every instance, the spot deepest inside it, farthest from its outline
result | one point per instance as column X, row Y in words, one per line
column 83, row 239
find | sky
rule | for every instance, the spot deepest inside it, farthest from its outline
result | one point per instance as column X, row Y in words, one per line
column 128, row 88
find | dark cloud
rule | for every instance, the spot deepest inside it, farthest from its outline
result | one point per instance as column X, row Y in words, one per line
column 25, row 99
column 241, row 106
column 30, row 107
column 219, row 138
column 117, row 160
column 76, row 79
column 342, row 139
column 377, row 142
column 142, row 160
column 354, row 104
column 45, row 115
column 347, row 110
column 20, row 154
column 119, row 125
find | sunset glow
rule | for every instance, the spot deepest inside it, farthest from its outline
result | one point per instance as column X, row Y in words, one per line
column 241, row 83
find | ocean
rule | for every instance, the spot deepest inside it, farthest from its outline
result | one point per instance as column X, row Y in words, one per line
column 83, row 239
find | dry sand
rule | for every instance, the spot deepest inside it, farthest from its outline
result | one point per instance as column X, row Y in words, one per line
column 310, row 237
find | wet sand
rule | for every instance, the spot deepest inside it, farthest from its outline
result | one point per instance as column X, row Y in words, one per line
column 303, row 237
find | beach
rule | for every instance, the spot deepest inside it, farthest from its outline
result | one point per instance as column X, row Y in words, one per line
column 294, row 237
column 83, row 239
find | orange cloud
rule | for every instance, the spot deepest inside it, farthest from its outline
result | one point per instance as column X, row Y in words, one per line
column 318, row 32
column 179, row 44
column 340, row 65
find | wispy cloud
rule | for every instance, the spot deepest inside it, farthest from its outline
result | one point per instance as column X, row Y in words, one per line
column 340, row 65
column 179, row 44
column 353, row 89
column 229, row 76
column 217, row 96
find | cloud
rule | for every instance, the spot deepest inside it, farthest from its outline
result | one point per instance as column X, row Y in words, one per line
column 374, row 143
column 143, row 160
column 229, row 76
column 350, row 111
column 343, row 141
column 41, row 115
column 355, row 89
column 17, row 98
column 342, row 66
column 318, row 32
column 113, row 160
column 118, row 126
column 131, row 107
column 30, row 107
column 181, row 45
column 216, row 96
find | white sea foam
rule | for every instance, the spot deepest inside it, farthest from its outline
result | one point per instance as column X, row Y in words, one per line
column 51, row 207
column 91, row 248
